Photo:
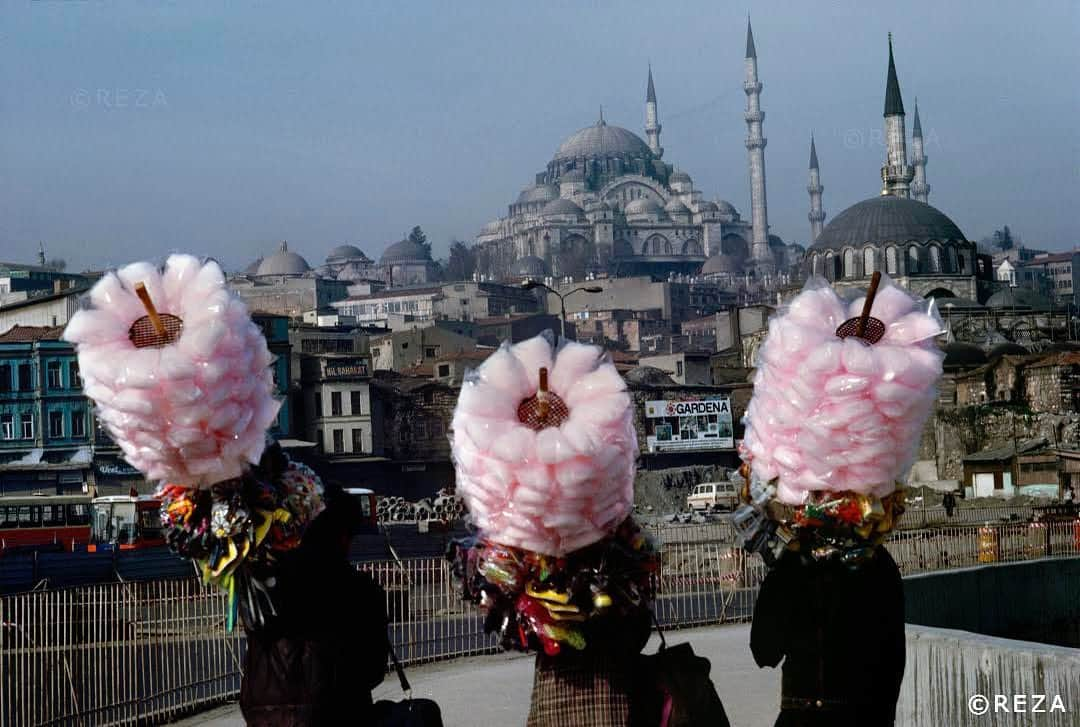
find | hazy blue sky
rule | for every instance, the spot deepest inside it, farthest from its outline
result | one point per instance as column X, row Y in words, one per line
column 131, row 129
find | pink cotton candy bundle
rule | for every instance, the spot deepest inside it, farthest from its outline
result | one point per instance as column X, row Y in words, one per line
column 842, row 415
column 194, row 411
column 556, row 489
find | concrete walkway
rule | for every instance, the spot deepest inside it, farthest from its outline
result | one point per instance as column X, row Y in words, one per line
column 493, row 691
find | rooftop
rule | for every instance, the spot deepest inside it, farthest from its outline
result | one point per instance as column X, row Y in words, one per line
column 31, row 334
column 1007, row 452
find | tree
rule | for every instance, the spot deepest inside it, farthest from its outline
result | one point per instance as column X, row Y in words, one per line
column 462, row 262
column 417, row 235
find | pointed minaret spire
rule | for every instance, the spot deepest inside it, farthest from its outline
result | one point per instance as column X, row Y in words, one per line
column 920, row 190
column 751, row 51
column 755, row 144
column 896, row 174
column 652, row 119
column 894, row 104
column 601, row 122
column 41, row 254
column 815, row 188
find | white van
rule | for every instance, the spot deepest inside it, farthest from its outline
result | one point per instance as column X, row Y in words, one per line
column 713, row 496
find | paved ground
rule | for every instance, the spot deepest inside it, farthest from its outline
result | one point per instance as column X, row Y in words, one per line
column 494, row 690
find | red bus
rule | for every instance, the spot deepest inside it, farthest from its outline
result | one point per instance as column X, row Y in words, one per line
column 39, row 521
column 124, row 522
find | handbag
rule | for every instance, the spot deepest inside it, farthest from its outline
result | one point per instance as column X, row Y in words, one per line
column 409, row 712
column 687, row 693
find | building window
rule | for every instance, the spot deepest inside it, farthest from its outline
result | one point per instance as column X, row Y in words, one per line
column 27, row 422
column 335, row 403
column 430, row 352
column 435, row 428
column 868, row 262
column 890, row 261
column 444, row 370
column 339, row 441
column 26, row 378
column 358, row 440
column 56, row 424
column 75, row 376
column 429, row 396
column 419, row 430
column 678, row 368
column 318, row 404
column 356, row 403
column 7, row 426
column 912, row 260
column 935, row 259
column 5, row 377
column 52, row 375
column 849, row 263
column 78, row 423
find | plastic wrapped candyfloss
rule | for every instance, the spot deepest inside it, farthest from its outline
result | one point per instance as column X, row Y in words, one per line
column 550, row 483
column 178, row 372
column 842, row 410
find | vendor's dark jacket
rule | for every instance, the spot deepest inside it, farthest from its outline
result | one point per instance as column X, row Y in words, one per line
column 317, row 661
column 840, row 634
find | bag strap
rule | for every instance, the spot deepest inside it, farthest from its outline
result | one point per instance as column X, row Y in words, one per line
column 402, row 679
column 659, row 631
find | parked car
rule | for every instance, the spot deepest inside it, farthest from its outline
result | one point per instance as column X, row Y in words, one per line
column 713, row 496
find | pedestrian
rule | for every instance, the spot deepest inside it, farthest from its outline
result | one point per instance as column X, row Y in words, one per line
column 949, row 501
column 316, row 660
column 839, row 632
column 1068, row 498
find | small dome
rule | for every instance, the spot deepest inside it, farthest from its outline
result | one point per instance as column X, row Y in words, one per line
column 721, row 264
column 648, row 376
column 283, row 262
column 775, row 241
column 1007, row 349
column 708, row 207
column 603, row 141
column 676, row 207
column 538, row 193
column 959, row 355
column 253, row 268
column 562, row 207
column 726, row 207
column 529, row 266
column 345, row 252
column 644, row 207
column 680, row 176
column 1018, row 298
column 405, row 251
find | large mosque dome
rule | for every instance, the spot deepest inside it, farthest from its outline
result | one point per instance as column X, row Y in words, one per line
column 602, row 140
column 405, row 251
column 884, row 219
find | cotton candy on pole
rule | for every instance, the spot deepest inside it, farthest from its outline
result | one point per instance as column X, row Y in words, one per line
column 192, row 412
column 842, row 415
column 563, row 487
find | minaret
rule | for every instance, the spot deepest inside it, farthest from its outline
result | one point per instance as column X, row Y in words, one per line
column 652, row 119
column 755, row 144
column 920, row 190
column 896, row 174
column 815, row 188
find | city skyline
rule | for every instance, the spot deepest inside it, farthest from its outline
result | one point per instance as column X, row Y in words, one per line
column 131, row 132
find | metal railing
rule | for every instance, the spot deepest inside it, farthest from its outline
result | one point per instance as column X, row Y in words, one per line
column 141, row 653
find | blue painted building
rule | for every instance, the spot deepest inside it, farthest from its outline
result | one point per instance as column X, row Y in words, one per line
column 275, row 329
column 46, row 427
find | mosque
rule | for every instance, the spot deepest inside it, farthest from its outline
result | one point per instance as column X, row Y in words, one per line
column 608, row 202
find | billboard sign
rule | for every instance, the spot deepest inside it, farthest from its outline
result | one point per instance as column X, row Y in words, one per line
column 683, row 425
column 346, row 368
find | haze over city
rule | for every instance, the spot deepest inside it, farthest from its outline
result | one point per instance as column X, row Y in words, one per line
column 140, row 129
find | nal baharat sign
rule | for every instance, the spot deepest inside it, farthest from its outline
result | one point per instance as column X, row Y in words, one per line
column 682, row 425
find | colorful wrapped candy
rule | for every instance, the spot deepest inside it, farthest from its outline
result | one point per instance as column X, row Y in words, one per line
column 178, row 372
column 551, row 488
column 842, row 414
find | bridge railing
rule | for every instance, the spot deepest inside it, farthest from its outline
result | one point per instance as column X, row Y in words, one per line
column 145, row 652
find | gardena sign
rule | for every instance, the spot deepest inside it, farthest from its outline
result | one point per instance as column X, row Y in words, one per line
column 682, row 425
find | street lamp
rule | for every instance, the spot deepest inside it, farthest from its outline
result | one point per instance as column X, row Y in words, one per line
column 533, row 284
